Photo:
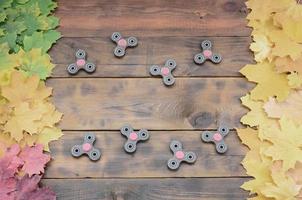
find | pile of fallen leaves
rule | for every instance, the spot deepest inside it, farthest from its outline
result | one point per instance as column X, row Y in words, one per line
column 274, row 132
column 27, row 117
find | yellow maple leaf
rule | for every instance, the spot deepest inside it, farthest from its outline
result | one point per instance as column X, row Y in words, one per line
column 47, row 135
column 286, row 143
column 284, row 46
column 294, row 80
column 286, row 64
column 261, row 47
column 270, row 83
column 22, row 89
column 282, row 188
column 23, row 118
column 291, row 108
column 262, row 10
column 254, row 162
column 256, row 116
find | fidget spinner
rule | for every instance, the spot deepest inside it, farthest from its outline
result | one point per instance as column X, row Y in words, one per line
column 122, row 43
column 81, row 63
column 207, row 54
column 165, row 71
column 133, row 137
column 180, row 155
column 87, row 148
column 217, row 138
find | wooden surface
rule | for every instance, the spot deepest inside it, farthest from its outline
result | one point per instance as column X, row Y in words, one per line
column 122, row 91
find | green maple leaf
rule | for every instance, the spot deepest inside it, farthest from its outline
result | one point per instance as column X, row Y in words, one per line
column 47, row 6
column 41, row 40
column 2, row 15
column 34, row 62
column 5, row 3
column 7, row 61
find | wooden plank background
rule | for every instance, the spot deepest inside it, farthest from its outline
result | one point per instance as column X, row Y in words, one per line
column 122, row 91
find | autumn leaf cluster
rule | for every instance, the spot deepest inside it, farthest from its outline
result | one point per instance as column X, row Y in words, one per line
column 28, row 119
column 30, row 162
column 274, row 132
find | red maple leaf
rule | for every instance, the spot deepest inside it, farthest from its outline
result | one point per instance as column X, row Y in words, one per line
column 34, row 159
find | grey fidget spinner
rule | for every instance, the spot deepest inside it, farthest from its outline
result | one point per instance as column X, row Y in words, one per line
column 165, row 71
column 207, row 54
column 122, row 43
column 180, row 155
column 87, row 148
column 217, row 138
column 81, row 63
column 133, row 137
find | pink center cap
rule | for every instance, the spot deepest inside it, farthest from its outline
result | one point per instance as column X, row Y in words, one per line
column 165, row 71
column 122, row 42
column 81, row 62
column 86, row 147
column 179, row 155
column 207, row 53
column 217, row 137
column 133, row 136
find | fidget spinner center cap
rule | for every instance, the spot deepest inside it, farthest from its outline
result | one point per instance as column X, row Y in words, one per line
column 179, row 155
column 165, row 71
column 207, row 53
column 122, row 42
column 87, row 147
column 133, row 136
column 217, row 137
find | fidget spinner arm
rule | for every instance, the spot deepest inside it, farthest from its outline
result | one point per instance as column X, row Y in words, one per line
column 165, row 72
column 87, row 148
column 207, row 54
column 179, row 155
column 133, row 137
column 217, row 138
column 81, row 63
column 122, row 43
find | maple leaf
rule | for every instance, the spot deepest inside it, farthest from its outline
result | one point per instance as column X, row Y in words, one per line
column 256, row 116
column 286, row 64
column 261, row 47
column 34, row 62
column 290, row 20
column 282, row 188
column 7, row 61
column 291, row 108
column 47, row 135
column 25, row 89
column 286, row 143
column 10, row 163
column 34, row 159
column 24, row 119
column 41, row 40
column 270, row 83
column 294, row 80
column 284, row 46
column 27, row 188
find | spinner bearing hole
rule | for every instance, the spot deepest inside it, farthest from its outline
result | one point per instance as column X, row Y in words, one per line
column 175, row 145
column 76, row 150
column 94, row 154
column 169, row 79
column 173, row 163
column 223, row 129
column 126, row 129
column 207, row 135
column 190, row 157
column 144, row 134
column 89, row 137
column 221, row 147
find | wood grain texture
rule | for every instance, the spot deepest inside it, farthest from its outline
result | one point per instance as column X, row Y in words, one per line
column 153, row 50
column 95, row 104
column 153, row 18
column 150, row 159
column 149, row 189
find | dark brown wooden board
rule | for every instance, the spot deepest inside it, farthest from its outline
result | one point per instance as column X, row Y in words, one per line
column 122, row 91
column 149, row 189
column 153, row 50
column 153, row 18
column 150, row 159
column 107, row 104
